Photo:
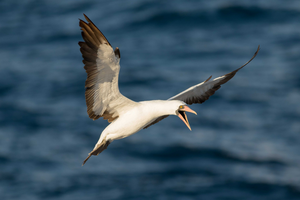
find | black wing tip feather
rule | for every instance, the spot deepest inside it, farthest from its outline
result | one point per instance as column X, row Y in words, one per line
column 95, row 28
column 93, row 37
column 231, row 74
column 255, row 54
column 86, row 17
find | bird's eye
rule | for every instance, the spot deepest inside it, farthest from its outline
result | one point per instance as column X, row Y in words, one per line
column 180, row 107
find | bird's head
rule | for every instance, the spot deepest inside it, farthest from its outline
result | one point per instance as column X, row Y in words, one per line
column 181, row 108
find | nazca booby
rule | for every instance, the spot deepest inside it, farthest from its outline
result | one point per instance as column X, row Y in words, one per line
column 125, row 116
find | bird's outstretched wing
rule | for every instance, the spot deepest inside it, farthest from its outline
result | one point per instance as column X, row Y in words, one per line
column 101, row 63
column 202, row 91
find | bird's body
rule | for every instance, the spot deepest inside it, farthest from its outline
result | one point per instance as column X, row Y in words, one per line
column 133, row 120
column 127, row 117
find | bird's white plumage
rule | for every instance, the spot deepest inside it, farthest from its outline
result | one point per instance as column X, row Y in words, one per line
column 135, row 119
column 127, row 117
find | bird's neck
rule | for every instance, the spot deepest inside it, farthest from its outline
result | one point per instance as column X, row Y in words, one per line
column 159, row 107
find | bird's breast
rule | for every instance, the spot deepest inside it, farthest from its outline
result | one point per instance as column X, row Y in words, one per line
column 128, row 124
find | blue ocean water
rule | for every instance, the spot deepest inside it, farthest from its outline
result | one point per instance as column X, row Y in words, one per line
column 245, row 140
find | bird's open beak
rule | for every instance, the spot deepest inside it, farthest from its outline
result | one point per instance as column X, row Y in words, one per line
column 181, row 114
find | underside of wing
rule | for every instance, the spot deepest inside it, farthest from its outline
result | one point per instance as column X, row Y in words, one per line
column 101, row 63
column 201, row 92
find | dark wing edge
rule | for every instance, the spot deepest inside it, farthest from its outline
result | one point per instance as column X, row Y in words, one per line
column 208, row 93
column 93, row 38
column 223, row 79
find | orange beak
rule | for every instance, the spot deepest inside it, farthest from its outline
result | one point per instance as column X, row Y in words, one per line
column 181, row 114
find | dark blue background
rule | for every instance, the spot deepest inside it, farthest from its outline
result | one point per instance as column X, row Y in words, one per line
column 245, row 141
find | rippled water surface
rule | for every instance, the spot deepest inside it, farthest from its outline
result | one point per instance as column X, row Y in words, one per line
column 245, row 141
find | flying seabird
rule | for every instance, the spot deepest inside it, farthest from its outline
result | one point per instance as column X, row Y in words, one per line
column 126, row 117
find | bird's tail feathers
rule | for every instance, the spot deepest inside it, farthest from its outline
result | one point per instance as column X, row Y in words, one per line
column 98, row 149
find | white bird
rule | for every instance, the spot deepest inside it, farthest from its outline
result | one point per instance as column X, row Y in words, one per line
column 126, row 117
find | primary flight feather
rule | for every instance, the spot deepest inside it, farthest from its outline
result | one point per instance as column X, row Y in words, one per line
column 126, row 117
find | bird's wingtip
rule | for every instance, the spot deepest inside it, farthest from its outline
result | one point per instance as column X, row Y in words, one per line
column 258, row 48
